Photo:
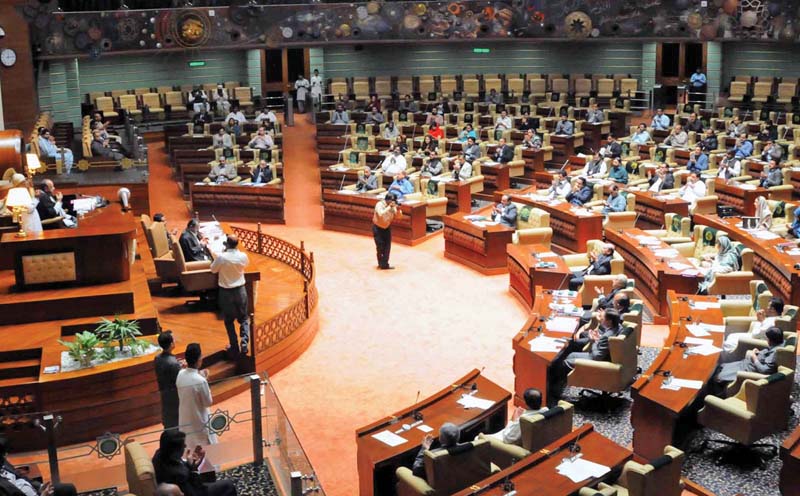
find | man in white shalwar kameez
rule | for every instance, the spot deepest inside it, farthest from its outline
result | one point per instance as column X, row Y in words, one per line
column 194, row 397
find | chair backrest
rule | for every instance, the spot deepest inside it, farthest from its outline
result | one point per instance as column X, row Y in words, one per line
column 544, row 428
column 788, row 321
column 759, row 296
column 787, row 90
column 624, row 353
column 705, row 240
column 104, row 104
column 449, row 473
column 559, row 85
column 494, row 82
column 128, row 102
column 537, row 87
column 660, row 477
column 677, row 226
column 517, row 85
column 152, row 100
column 173, row 98
column 634, row 316
column 530, row 217
column 738, row 88
column 785, row 355
column 339, row 88
column 471, row 86
column 769, row 399
column 139, row 471
column 159, row 243
column 605, row 87
column 361, row 88
column 177, row 254
column 146, row 220
column 628, row 86
column 762, row 89
column 244, row 93
column 583, row 86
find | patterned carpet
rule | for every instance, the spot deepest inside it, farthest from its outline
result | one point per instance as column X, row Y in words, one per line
column 722, row 479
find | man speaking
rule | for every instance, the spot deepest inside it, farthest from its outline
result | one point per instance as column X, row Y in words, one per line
column 385, row 212
column 230, row 265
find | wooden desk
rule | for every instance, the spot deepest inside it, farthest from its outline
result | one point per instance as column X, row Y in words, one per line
column 230, row 201
column 524, row 273
column 535, row 160
column 564, row 146
column 536, row 473
column 498, row 176
column 742, row 200
column 570, row 230
column 594, row 134
column 377, row 461
column 790, row 471
column 653, row 275
column 459, row 196
column 620, row 122
column 101, row 244
column 663, row 416
column 353, row 213
column 336, row 179
column 532, row 368
column 770, row 263
column 482, row 248
column 651, row 208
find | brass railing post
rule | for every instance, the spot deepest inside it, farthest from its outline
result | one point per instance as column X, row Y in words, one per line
column 255, row 408
column 259, row 240
column 305, row 298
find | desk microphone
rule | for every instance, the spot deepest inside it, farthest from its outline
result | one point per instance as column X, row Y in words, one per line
column 415, row 413
column 341, row 185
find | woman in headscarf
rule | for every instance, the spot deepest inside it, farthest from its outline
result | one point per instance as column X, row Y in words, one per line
column 763, row 213
column 726, row 260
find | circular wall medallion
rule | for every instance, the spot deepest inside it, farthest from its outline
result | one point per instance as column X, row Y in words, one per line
column 191, row 28
column 577, row 25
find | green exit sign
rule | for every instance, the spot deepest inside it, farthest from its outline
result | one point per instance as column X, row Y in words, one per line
column 481, row 50
column 197, row 63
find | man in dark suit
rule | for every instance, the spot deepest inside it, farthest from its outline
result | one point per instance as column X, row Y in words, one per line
column 599, row 265
column 504, row 153
column 581, row 192
column 600, row 350
column 167, row 368
column 100, row 148
column 662, row 179
column 262, row 174
column 613, row 149
column 448, row 440
column 14, row 482
column 505, row 212
column 49, row 200
column 194, row 249
column 761, row 361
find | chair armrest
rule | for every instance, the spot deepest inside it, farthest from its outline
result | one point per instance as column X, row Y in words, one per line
column 53, row 220
column 575, row 260
column 706, row 205
column 736, row 308
column 504, row 455
column 595, row 374
column 737, row 324
column 740, row 378
column 409, row 484
column 726, row 408
column 685, row 249
column 731, row 283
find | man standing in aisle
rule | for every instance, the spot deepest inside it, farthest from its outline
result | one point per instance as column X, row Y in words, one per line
column 316, row 90
column 230, row 265
column 301, row 85
column 167, row 367
column 385, row 212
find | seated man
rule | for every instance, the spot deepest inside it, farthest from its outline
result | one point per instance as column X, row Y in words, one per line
column 367, row 182
column 224, row 170
column 436, row 117
column 641, row 136
column 729, row 167
column 698, row 161
column 505, row 212
column 660, row 121
column 394, row 163
column 760, row 361
column 531, row 141
column 620, row 302
column 503, row 122
column 266, row 115
column 560, row 187
column 262, row 140
column 694, row 124
column 662, row 179
column 221, row 140
column 472, row 151
column 375, row 116
column 527, row 123
column 193, row 244
column 13, row 477
column 401, row 186
column 758, row 329
column 100, row 148
column 236, row 115
column 595, row 168
column 599, row 265
column 736, row 127
column 221, row 98
column 607, row 300
column 564, row 127
column 494, row 97
column 609, row 325
column 772, row 176
column 594, row 115
column 340, row 115
column 771, row 151
column 618, row 174
column 693, row 189
column 581, row 192
column 677, row 137
column 615, row 202
column 743, row 147
column 50, row 205
column 462, row 170
column 504, row 153
column 710, row 141
column 512, row 433
column 612, row 149
column 409, row 105
column 449, row 434
column 262, row 174
column 49, row 149
column 432, row 167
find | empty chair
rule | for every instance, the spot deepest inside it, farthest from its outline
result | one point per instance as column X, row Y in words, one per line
column 163, row 90
column 559, row 85
column 361, row 88
column 105, row 104
column 339, row 88
column 605, row 88
column 677, row 229
column 786, row 91
column 130, row 104
column 471, row 87
column 245, row 96
column 627, row 87
column 139, row 471
column 515, row 85
column 537, row 87
column 153, row 102
column 583, row 87
column 737, row 92
column 405, row 86
column 659, row 477
column 118, row 93
column 448, row 85
column 426, row 85
column 762, row 92
column 383, row 86
column 141, row 91
column 175, row 101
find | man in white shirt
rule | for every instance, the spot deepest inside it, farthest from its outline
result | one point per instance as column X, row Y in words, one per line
column 560, row 187
column 512, row 433
column 394, row 163
column 316, row 88
column 595, row 115
column 236, row 115
column 462, row 170
column 262, row 140
column 301, row 86
column 266, row 115
column 758, row 329
column 693, row 189
column 220, row 97
column 194, row 399
column 503, row 122
column 229, row 266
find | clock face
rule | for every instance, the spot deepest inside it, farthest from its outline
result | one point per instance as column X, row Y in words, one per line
column 8, row 57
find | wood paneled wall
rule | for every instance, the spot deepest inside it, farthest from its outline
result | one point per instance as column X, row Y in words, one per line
column 19, row 90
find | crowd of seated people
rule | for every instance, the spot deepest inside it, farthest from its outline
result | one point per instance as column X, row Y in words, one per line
column 15, row 481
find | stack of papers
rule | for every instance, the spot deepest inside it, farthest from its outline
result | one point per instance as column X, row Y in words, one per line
column 546, row 254
column 691, row 272
column 676, row 384
column 470, row 401
column 562, row 324
column 484, row 223
column 348, row 192
column 701, row 330
column 475, row 217
column 564, row 293
column 666, row 252
column 579, row 469
column 700, row 341
column 679, row 266
column 703, row 349
column 747, row 187
column 705, row 305
column 764, row 234
column 545, row 343
column 566, row 309
column 389, row 438
column 794, row 252
column 648, row 240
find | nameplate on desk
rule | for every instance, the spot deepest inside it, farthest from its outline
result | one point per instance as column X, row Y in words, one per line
column 747, row 187
column 765, row 235
column 348, row 192
column 705, row 305
column 546, row 265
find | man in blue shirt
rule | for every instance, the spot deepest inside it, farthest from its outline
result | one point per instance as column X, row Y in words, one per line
column 744, row 147
column 401, row 186
column 618, row 174
column 564, row 127
column 660, row 121
column 616, row 202
column 581, row 192
column 641, row 136
column 698, row 79
column 48, row 148
column 698, row 161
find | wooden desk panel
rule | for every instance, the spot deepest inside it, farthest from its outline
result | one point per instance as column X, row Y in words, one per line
column 535, row 160
column 790, row 471
column 353, row 214
column 569, row 230
column 661, row 416
column 482, row 248
column 742, row 200
column 498, row 176
column 651, row 208
column 594, row 134
column 524, row 275
column 653, row 275
column 229, row 201
column 459, row 196
column 377, row 461
column 335, row 179
column 564, row 146
column 770, row 263
column 536, row 473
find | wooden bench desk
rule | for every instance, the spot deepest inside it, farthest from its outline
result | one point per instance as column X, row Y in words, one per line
column 525, row 271
column 232, row 201
column 481, row 248
column 741, row 199
column 651, row 208
column 378, row 461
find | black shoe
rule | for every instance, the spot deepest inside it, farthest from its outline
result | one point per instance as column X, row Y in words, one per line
column 243, row 348
column 387, row 267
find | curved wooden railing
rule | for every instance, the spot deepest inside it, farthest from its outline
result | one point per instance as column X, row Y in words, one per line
column 269, row 333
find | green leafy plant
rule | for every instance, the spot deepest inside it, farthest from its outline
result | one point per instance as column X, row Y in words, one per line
column 83, row 348
column 124, row 332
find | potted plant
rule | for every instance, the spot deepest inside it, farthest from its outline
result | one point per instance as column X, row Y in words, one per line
column 84, row 348
column 124, row 332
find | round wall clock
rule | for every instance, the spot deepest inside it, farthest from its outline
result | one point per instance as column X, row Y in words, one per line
column 8, row 57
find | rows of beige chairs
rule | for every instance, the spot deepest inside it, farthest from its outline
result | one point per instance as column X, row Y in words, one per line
column 763, row 89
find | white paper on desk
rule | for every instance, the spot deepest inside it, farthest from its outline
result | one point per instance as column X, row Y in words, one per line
column 390, row 438
column 666, row 197
column 747, row 187
column 479, row 223
column 713, row 327
column 562, row 324
column 425, row 428
column 470, row 401
column 446, row 179
column 580, row 469
column 348, row 192
column 693, row 340
column 565, row 293
column 706, row 305
column 261, row 185
column 704, row 350
column 764, row 234
column 686, row 383
column 794, row 252
column 679, row 266
column 491, row 163
column 697, row 330
column 648, row 240
column 583, row 213
column 547, row 254
column 545, row 343
column 666, row 252
column 670, row 385
column 691, row 272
